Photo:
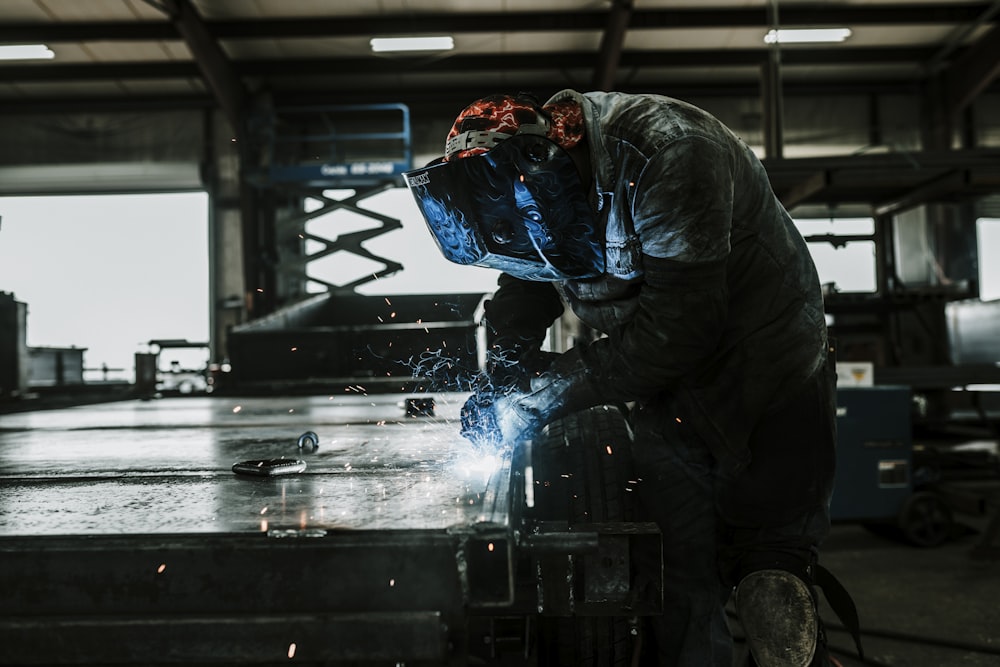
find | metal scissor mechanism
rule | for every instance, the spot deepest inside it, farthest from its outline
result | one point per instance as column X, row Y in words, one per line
column 308, row 153
column 296, row 232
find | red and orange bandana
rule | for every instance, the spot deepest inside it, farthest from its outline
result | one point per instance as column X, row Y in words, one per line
column 490, row 120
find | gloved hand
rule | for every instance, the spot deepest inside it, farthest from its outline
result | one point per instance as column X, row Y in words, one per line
column 479, row 421
column 509, row 370
column 494, row 419
column 512, row 366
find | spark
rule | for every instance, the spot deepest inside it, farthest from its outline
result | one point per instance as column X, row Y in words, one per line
column 163, row 566
column 237, row 409
column 263, row 525
column 392, row 582
column 489, row 546
column 291, row 650
column 387, row 302
column 263, row 511
column 609, row 449
column 677, row 419
column 295, row 349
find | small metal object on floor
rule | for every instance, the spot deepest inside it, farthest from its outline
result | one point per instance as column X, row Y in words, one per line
column 309, row 440
column 269, row 467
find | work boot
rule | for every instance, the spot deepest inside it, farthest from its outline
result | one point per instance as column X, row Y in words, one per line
column 778, row 615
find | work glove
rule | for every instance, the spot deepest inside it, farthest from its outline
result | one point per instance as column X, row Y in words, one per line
column 497, row 419
column 509, row 370
column 513, row 365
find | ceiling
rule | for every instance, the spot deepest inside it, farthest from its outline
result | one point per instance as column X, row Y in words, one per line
column 198, row 52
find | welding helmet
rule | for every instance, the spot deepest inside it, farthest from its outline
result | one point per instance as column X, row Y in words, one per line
column 507, row 196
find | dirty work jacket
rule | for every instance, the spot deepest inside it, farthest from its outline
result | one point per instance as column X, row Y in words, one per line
column 709, row 291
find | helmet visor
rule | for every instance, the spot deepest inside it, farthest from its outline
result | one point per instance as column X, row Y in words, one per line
column 520, row 208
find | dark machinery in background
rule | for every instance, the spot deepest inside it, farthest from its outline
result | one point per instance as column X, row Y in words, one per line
column 374, row 344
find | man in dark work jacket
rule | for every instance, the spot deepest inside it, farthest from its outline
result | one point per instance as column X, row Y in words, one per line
column 658, row 227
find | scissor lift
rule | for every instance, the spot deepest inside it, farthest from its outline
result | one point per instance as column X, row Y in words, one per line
column 311, row 150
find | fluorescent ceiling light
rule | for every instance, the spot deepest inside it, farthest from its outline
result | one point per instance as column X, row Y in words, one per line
column 382, row 44
column 807, row 35
column 25, row 52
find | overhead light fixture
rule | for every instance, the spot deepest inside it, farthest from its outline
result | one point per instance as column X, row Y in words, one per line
column 384, row 44
column 26, row 52
column 807, row 35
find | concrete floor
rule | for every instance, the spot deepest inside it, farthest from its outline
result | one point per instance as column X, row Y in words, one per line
column 164, row 466
column 930, row 607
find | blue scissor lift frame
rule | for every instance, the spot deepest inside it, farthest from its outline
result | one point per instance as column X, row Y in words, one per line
column 311, row 149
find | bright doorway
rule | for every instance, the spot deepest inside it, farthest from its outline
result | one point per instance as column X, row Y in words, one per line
column 108, row 272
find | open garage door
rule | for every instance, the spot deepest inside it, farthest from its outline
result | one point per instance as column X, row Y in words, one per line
column 108, row 273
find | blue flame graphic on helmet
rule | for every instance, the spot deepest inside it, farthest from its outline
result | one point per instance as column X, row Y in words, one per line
column 520, row 208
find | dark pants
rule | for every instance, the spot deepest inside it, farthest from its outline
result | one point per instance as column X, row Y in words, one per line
column 719, row 527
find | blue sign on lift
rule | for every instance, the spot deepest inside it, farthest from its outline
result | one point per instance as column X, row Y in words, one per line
column 354, row 145
column 340, row 175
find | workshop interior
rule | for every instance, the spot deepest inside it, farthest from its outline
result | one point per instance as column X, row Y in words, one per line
column 242, row 446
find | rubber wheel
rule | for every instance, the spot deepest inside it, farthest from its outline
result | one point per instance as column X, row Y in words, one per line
column 582, row 466
column 925, row 520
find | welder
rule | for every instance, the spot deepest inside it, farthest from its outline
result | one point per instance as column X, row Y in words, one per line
column 657, row 225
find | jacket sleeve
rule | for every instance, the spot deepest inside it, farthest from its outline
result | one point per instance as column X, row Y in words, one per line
column 681, row 315
column 682, row 211
column 521, row 311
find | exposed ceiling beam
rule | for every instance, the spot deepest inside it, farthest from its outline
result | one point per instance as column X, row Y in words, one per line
column 611, row 45
column 211, row 61
column 478, row 22
column 939, row 188
column 973, row 71
column 555, row 62
column 916, row 178
column 807, row 188
column 419, row 95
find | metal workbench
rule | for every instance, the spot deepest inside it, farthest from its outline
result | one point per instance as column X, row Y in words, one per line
column 165, row 466
column 125, row 537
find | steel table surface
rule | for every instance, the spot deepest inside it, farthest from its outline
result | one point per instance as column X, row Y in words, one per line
column 165, row 467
